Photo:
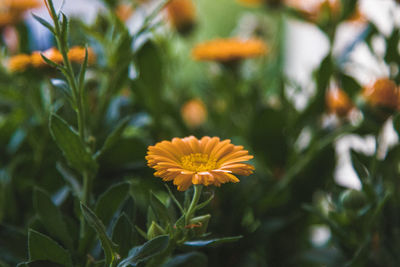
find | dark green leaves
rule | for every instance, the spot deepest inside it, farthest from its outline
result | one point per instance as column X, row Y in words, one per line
column 109, row 247
column 192, row 259
column 212, row 242
column 42, row 247
column 110, row 201
column 114, row 136
column 69, row 142
column 146, row 251
column 51, row 217
column 160, row 210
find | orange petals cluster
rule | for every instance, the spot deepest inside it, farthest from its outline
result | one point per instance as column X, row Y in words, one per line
column 338, row 102
column 194, row 113
column 181, row 14
column 11, row 11
column 224, row 50
column 208, row 161
column 382, row 93
column 23, row 61
column 124, row 11
column 313, row 9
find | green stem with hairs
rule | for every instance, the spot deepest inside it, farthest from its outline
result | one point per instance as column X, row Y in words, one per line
column 193, row 205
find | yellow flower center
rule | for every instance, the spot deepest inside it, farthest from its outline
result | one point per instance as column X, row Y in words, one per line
column 198, row 162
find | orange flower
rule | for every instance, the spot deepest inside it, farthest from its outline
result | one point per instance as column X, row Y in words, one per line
column 338, row 102
column 314, row 9
column 194, row 113
column 251, row 2
column 181, row 14
column 225, row 50
column 54, row 55
column 8, row 18
column 271, row 3
column 383, row 92
column 21, row 5
column 77, row 54
column 19, row 63
column 124, row 11
column 208, row 161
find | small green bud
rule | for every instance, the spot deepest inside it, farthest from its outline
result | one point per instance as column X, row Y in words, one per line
column 353, row 199
column 154, row 231
column 199, row 224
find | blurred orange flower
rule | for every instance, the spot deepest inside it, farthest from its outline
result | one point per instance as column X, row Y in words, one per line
column 383, row 93
column 124, row 11
column 208, row 161
column 21, row 5
column 77, row 54
column 19, row 63
column 194, row 113
column 22, row 62
column 224, row 50
column 11, row 11
column 338, row 102
column 251, row 2
column 313, row 9
column 181, row 14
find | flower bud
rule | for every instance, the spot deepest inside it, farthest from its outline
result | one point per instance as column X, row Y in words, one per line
column 154, row 231
column 353, row 200
column 199, row 224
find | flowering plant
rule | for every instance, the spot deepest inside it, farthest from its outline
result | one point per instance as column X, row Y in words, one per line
column 174, row 133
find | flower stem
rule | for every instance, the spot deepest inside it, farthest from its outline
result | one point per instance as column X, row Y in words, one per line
column 193, row 205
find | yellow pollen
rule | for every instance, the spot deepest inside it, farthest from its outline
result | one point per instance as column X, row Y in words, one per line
column 198, row 162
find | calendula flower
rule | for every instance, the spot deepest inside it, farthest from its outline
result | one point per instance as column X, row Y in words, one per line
column 77, row 54
column 338, row 102
column 251, row 2
column 382, row 93
column 208, row 161
column 271, row 3
column 313, row 10
column 54, row 55
column 21, row 5
column 8, row 18
column 19, row 63
column 194, row 113
column 181, row 14
column 124, row 11
column 225, row 50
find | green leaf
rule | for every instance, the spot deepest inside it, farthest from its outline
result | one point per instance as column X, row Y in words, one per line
column 124, row 234
column 212, row 242
column 42, row 247
column 44, row 23
column 39, row 264
column 51, row 217
column 69, row 142
column 109, row 247
column 64, row 29
column 192, row 259
column 146, row 251
column 160, row 210
column 69, row 178
column 82, row 71
column 150, row 82
column 396, row 123
column 110, row 201
column 51, row 63
column 113, row 138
